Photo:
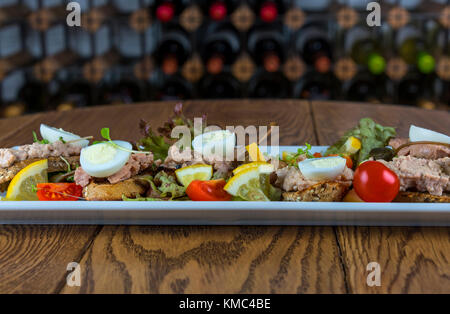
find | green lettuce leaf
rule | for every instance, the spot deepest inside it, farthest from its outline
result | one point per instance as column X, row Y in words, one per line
column 169, row 186
column 372, row 135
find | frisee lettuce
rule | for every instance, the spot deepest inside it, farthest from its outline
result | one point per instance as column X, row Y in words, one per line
column 371, row 135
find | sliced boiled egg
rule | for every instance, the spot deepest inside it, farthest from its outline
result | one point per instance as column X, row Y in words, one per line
column 103, row 159
column 417, row 134
column 52, row 135
column 325, row 168
column 220, row 143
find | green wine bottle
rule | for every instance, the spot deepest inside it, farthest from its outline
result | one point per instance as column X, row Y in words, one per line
column 364, row 48
column 414, row 50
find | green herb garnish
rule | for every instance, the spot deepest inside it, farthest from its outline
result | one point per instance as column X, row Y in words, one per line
column 69, row 169
column 291, row 159
column 35, row 139
column 105, row 134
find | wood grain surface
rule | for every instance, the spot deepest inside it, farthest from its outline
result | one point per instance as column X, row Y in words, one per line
column 224, row 259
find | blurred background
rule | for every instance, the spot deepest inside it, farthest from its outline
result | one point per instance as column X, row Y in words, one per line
column 129, row 51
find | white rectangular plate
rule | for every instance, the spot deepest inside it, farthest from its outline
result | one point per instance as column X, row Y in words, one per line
column 226, row 213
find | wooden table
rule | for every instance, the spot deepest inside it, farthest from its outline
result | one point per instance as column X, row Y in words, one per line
column 225, row 259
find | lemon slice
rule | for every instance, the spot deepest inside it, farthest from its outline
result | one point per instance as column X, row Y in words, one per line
column 254, row 153
column 22, row 185
column 195, row 172
column 241, row 179
column 262, row 166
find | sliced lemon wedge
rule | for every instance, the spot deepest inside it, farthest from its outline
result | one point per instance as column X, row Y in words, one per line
column 22, row 186
column 262, row 166
column 352, row 145
column 195, row 172
column 254, row 152
column 241, row 179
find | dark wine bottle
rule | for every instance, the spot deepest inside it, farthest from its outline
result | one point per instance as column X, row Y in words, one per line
column 269, row 10
column 413, row 48
column 313, row 45
column 365, row 49
column 34, row 95
column 414, row 88
column 175, row 88
column 267, row 48
column 269, row 85
column 314, row 86
column 166, row 10
column 74, row 94
column 125, row 91
column 365, row 87
column 220, row 47
column 173, row 50
column 218, row 10
column 219, row 86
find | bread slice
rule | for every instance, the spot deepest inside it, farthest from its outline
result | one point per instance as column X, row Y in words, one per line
column 130, row 188
column 419, row 197
column 321, row 192
column 55, row 164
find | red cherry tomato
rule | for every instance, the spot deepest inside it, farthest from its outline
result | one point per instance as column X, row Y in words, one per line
column 207, row 191
column 317, row 155
column 58, row 191
column 374, row 182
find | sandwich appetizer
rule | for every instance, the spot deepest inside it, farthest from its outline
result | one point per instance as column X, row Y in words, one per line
column 367, row 164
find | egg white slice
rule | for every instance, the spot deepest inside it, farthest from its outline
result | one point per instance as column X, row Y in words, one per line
column 220, row 143
column 325, row 168
column 52, row 135
column 103, row 159
column 417, row 134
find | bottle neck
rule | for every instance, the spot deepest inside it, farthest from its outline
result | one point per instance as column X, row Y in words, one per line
column 268, row 12
column 376, row 63
column 218, row 10
column 425, row 62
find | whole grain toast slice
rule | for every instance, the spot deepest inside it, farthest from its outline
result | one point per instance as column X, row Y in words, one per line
column 419, row 197
column 130, row 188
column 320, row 192
column 55, row 164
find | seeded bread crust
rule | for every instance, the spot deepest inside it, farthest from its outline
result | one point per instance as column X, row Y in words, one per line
column 321, row 192
column 418, row 197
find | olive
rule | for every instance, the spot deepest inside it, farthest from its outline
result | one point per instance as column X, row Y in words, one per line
column 384, row 153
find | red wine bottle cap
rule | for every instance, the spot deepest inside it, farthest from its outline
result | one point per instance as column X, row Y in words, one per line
column 215, row 65
column 271, row 62
column 322, row 64
column 170, row 65
column 218, row 11
column 268, row 12
column 165, row 12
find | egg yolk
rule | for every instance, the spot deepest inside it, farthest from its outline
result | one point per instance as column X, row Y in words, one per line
column 100, row 153
column 326, row 162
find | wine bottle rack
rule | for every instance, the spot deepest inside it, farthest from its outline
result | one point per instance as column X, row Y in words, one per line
column 130, row 51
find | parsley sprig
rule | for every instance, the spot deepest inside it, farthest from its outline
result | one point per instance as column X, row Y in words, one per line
column 35, row 139
column 291, row 159
column 105, row 134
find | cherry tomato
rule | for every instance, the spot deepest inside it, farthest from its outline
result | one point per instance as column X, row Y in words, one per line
column 58, row 191
column 374, row 182
column 208, row 191
column 349, row 160
column 317, row 155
